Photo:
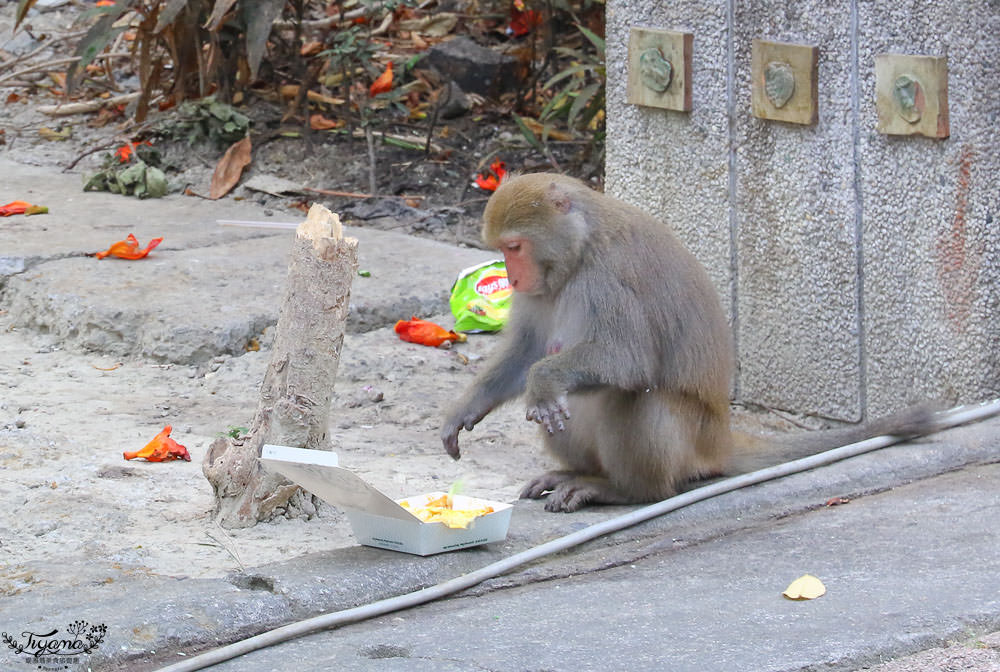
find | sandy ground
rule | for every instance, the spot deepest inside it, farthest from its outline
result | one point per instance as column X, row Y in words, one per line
column 78, row 512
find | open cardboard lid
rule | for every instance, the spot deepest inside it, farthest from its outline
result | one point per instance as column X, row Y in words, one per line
column 317, row 472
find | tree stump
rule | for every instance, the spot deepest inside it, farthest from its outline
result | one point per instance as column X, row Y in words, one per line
column 294, row 403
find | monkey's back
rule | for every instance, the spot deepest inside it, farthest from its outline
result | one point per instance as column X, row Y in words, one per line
column 666, row 296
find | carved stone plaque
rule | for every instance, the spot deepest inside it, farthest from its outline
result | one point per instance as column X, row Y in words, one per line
column 911, row 95
column 659, row 69
column 784, row 86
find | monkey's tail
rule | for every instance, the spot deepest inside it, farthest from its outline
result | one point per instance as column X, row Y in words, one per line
column 751, row 453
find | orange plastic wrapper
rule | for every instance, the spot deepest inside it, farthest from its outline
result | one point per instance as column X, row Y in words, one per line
column 383, row 83
column 426, row 333
column 440, row 511
column 161, row 449
column 129, row 248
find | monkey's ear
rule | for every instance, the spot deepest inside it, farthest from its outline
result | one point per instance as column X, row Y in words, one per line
column 559, row 198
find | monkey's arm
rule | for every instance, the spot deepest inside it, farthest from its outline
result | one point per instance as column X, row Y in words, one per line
column 553, row 378
column 502, row 380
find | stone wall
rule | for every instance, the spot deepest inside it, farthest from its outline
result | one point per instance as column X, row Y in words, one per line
column 861, row 270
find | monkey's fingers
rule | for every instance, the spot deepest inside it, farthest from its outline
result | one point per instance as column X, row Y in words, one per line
column 449, row 437
column 552, row 415
column 544, row 418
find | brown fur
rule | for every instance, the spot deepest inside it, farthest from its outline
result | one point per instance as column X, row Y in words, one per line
column 622, row 351
column 626, row 345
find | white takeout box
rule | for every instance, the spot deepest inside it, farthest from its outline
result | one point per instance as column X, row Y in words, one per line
column 376, row 519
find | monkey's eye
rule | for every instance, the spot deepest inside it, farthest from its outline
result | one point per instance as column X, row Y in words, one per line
column 512, row 247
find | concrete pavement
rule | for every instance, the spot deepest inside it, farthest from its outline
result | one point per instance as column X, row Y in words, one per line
column 237, row 273
column 903, row 570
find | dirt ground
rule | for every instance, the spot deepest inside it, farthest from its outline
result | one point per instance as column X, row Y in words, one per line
column 78, row 512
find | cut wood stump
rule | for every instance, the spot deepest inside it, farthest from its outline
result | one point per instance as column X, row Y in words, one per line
column 294, row 404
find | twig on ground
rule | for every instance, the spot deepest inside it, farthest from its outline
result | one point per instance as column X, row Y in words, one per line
column 6, row 65
column 49, row 65
column 66, row 109
column 231, row 551
column 88, row 152
column 352, row 194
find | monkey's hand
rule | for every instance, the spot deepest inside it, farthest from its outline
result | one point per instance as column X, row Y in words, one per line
column 551, row 414
column 449, row 433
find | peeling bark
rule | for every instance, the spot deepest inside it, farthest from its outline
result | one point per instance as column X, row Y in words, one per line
column 294, row 403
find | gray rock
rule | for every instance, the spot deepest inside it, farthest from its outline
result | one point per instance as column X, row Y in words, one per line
column 455, row 102
column 473, row 67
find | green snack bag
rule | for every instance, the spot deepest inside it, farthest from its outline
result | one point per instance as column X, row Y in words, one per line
column 480, row 297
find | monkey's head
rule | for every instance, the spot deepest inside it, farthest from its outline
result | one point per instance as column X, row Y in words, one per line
column 537, row 221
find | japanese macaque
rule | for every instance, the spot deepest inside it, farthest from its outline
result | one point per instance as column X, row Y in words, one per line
column 616, row 339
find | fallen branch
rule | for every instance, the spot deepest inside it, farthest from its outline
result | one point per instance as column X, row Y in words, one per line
column 67, row 109
column 354, row 194
column 8, row 64
column 49, row 65
column 330, row 21
column 384, row 26
column 404, row 141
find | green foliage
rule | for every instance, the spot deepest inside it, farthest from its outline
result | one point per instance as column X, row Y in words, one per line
column 575, row 93
column 351, row 51
column 234, row 432
column 183, row 48
column 141, row 177
column 580, row 98
column 207, row 120
column 350, row 47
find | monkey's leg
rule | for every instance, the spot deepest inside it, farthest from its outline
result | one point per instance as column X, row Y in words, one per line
column 645, row 446
column 574, row 447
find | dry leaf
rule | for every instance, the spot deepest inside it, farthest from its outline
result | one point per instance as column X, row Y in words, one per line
column 311, row 48
column 318, row 122
column 836, row 501
column 434, row 25
column 49, row 134
column 289, row 91
column 230, row 168
column 538, row 128
column 806, row 587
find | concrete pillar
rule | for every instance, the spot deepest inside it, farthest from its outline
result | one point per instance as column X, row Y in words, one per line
column 860, row 270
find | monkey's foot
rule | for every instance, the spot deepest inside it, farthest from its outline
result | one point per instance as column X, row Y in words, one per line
column 537, row 488
column 575, row 493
